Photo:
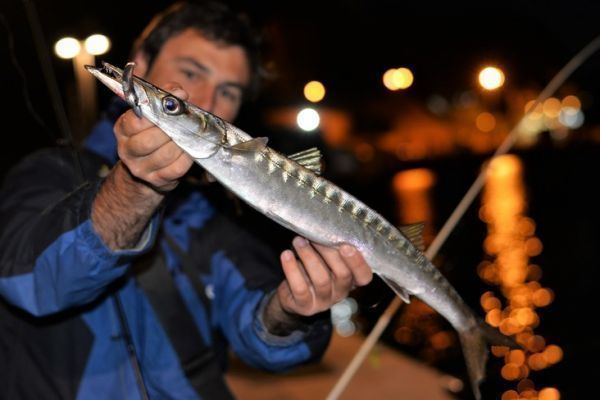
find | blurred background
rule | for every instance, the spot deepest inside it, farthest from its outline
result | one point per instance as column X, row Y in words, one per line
column 407, row 102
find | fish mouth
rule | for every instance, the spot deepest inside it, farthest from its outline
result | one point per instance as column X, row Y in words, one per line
column 110, row 75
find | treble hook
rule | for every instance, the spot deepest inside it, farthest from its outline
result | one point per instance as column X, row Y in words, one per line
column 128, row 89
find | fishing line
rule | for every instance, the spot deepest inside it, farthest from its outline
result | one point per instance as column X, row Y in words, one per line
column 383, row 321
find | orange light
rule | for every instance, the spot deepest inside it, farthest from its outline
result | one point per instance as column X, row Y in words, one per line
column 542, row 297
column 515, row 357
column 571, row 102
column 413, row 179
column 551, row 107
column 549, row 394
column 534, row 273
column 500, row 351
column 314, row 91
column 525, row 384
column 441, row 340
column 528, row 394
column 537, row 362
column 494, row 317
column 535, row 113
column 510, row 326
column 510, row 372
column 510, row 395
column 485, row 122
column 490, row 303
column 534, row 246
column 552, row 354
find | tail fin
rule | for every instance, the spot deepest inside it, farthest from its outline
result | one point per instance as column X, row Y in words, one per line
column 474, row 341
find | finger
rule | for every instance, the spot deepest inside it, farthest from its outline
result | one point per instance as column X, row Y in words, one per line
column 295, row 277
column 146, row 142
column 341, row 272
column 286, row 298
column 159, row 160
column 361, row 271
column 171, row 174
column 162, row 157
column 128, row 124
column 318, row 273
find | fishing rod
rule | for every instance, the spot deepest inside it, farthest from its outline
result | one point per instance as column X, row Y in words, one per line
column 561, row 76
column 50, row 78
column 67, row 137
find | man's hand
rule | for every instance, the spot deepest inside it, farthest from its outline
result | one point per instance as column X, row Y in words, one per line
column 148, row 153
column 150, row 165
column 319, row 278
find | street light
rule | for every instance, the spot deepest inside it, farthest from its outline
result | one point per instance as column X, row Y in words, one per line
column 398, row 78
column 83, row 53
column 491, row 78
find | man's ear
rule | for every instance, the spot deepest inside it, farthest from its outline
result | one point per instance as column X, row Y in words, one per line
column 141, row 64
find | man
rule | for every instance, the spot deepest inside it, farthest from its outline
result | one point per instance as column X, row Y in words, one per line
column 131, row 283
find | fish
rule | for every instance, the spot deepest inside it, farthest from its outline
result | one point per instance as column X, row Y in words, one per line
column 290, row 191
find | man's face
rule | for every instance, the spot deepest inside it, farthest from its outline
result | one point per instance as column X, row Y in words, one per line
column 213, row 75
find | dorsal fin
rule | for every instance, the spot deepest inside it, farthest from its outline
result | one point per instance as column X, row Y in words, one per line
column 309, row 158
column 399, row 290
column 256, row 144
column 414, row 233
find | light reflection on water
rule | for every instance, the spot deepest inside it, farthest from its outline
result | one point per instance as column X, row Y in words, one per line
column 511, row 305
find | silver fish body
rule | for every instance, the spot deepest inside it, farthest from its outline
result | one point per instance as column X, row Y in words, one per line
column 315, row 208
column 302, row 201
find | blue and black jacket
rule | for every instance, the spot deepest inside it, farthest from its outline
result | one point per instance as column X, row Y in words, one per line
column 69, row 306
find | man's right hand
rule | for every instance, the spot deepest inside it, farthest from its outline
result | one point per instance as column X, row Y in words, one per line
column 150, row 165
column 148, row 153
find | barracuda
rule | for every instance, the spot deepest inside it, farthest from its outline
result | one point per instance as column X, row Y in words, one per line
column 290, row 191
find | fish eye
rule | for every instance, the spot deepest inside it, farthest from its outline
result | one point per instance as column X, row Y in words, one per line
column 172, row 105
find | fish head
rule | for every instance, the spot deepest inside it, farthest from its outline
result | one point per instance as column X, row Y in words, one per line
column 200, row 133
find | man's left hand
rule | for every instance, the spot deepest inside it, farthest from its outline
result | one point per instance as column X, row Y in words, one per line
column 320, row 277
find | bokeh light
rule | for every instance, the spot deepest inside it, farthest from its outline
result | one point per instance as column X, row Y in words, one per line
column 97, row 44
column 67, row 47
column 314, row 91
column 491, row 78
column 398, row 78
column 308, row 119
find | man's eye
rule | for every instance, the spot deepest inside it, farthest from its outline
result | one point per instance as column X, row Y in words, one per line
column 230, row 95
column 191, row 75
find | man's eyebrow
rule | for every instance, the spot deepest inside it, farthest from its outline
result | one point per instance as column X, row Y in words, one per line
column 196, row 64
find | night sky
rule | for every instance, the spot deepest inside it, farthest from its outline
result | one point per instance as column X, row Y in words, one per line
column 348, row 45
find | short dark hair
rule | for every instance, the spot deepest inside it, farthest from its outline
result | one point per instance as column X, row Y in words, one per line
column 217, row 22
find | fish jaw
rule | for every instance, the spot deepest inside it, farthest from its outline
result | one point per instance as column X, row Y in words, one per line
column 196, row 131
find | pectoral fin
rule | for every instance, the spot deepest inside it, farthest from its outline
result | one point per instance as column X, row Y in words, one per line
column 400, row 291
column 414, row 233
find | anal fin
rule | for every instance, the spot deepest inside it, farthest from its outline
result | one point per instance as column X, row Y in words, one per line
column 399, row 290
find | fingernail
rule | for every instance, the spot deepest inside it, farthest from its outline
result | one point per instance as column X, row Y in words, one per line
column 300, row 241
column 347, row 250
column 287, row 255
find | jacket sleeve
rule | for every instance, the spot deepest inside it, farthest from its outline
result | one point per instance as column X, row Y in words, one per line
column 244, row 274
column 50, row 256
